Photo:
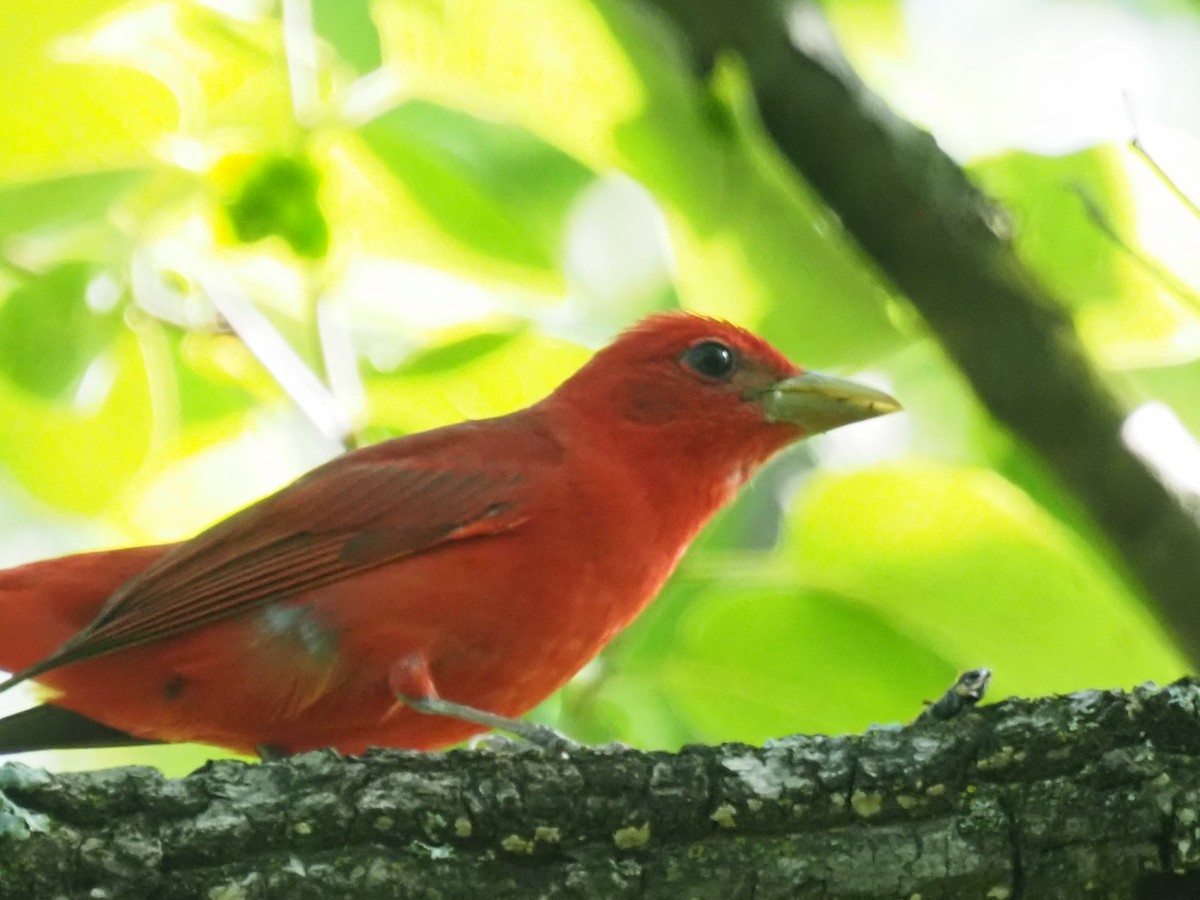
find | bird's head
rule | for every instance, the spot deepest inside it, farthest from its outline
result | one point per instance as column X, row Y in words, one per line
column 707, row 388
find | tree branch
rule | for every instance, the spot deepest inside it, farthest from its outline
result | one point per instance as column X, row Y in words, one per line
column 940, row 242
column 1063, row 797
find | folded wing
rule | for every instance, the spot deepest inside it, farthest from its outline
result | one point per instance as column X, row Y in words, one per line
column 344, row 518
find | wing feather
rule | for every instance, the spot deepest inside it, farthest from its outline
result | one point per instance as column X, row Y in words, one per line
column 344, row 518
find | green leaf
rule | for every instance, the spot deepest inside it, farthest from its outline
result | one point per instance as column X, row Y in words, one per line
column 610, row 86
column 470, row 378
column 741, row 658
column 752, row 664
column 81, row 457
column 49, row 334
column 38, row 206
column 1174, row 385
column 753, row 242
column 493, row 186
column 347, row 26
column 279, row 196
column 1052, row 229
column 872, row 33
column 969, row 566
column 208, row 397
column 58, row 116
column 447, row 357
column 1075, row 225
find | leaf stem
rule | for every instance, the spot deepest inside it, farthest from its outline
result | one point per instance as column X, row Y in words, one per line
column 1174, row 188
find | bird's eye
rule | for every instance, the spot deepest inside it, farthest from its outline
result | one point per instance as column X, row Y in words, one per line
column 711, row 359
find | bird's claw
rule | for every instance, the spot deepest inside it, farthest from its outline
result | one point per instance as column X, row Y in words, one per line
column 542, row 736
column 495, row 742
column 527, row 734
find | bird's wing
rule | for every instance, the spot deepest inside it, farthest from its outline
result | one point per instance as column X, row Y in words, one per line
column 335, row 522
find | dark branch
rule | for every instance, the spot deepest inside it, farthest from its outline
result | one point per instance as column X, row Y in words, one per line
column 1064, row 797
column 930, row 231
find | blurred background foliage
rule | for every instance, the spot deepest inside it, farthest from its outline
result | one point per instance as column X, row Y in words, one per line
column 237, row 236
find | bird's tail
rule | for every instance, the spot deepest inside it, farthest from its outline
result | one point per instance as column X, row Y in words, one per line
column 43, row 604
column 50, row 727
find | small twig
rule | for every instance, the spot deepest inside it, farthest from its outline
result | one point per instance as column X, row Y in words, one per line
column 277, row 357
column 336, row 347
column 962, row 695
column 1159, row 273
column 300, row 49
column 1174, row 188
column 162, row 380
column 1138, row 147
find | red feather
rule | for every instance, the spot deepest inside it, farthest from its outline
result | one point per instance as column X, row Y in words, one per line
column 497, row 557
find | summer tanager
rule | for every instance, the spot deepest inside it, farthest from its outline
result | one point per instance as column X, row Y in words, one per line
column 423, row 589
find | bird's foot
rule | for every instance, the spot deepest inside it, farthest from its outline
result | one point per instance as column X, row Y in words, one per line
column 542, row 736
column 412, row 683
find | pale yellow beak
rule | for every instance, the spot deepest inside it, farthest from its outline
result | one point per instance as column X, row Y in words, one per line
column 817, row 403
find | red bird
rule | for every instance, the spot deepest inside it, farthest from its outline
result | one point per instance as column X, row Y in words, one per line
column 424, row 589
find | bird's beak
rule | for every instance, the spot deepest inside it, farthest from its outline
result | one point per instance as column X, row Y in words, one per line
column 817, row 403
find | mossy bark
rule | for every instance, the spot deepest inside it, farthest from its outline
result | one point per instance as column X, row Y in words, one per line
column 1092, row 795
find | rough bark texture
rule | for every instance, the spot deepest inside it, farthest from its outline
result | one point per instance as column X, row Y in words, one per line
column 1069, row 797
column 943, row 244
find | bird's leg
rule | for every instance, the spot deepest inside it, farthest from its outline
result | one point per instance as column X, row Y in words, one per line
column 412, row 684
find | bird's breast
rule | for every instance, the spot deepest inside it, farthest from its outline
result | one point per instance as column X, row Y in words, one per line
column 504, row 620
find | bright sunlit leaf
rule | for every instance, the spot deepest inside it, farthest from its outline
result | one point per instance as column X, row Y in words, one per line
column 515, row 371
column 79, row 458
column 746, row 231
column 61, row 118
column 495, row 187
column 50, row 334
column 37, row 206
column 964, row 563
column 754, row 664
column 347, row 26
column 749, row 663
